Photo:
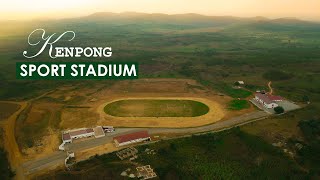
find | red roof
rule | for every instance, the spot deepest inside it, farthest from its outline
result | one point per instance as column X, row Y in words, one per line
column 81, row 131
column 89, row 130
column 267, row 98
column 275, row 98
column 66, row 136
column 132, row 136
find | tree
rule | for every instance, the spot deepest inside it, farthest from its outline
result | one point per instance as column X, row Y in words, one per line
column 305, row 98
column 278, row 110
column 236, row 83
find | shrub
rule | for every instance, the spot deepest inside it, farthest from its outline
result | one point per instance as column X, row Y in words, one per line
column 279, row 110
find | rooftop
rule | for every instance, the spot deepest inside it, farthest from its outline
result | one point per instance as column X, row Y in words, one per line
column 132, row 136
column 268, row 98
column 66, row 136
column 98, row 131
column 80, row 131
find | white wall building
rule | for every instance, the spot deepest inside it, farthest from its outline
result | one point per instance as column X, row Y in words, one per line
column 68, row 136
column 267, row 100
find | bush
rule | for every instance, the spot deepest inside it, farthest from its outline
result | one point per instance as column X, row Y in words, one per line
column 236, row 83
column 6, row 172
column 279, row 110
column 310, row 129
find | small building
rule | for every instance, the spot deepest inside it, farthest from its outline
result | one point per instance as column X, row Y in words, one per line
column 268, row 100
column 131, row 138
column 98, row 132
column 240, row 82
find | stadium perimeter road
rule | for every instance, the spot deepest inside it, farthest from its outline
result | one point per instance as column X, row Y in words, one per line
column 57, row 158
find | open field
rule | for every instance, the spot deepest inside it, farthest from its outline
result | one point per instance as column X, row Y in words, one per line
column 156, row 108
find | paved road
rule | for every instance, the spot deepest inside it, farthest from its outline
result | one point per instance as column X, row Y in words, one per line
column 58, row 157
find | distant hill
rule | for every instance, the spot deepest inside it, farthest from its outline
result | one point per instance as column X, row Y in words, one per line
column 184, row 17
column 157, row 22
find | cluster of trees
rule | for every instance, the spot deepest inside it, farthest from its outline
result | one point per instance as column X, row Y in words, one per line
column 309, row 155
column 278, row 110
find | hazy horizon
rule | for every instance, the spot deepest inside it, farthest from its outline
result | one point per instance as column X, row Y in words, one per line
column 119, row 13
column 37, row 9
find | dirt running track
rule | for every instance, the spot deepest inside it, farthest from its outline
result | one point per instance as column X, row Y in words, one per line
column 57, row 159
column 215, row 114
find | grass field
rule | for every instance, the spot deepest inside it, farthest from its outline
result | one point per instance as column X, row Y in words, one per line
column 238, row 104
column 156, row 108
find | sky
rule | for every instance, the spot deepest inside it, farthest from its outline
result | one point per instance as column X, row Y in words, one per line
column 55, row 9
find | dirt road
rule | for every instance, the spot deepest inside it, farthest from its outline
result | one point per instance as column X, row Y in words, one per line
column 270, row 88
column 10, row 144
column 57, row 159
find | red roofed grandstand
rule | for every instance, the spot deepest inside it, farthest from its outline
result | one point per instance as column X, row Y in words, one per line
column 127, row 139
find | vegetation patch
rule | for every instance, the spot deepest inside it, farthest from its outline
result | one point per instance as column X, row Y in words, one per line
column 6, row 172
column 231, row 154
column 156, row 108
column 33, row 123
column 309, row 155
column 275, row 75
column 238, row 104
column 278, row 110
column 227, row 155
column 228, row 90
column 7, row 109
